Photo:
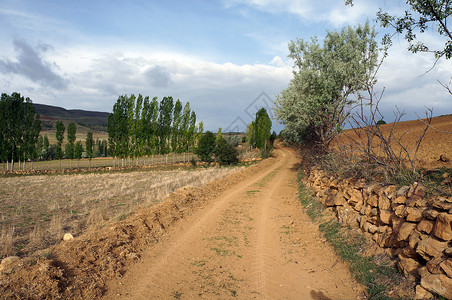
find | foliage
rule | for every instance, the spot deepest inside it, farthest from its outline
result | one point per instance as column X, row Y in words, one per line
column 89, row 144
column 206, row 147
column 262, row 128
column 250, row 140
column 378, row 278
column 225, row 153
column 140, row 126
column 70, row 147
column 418, row 17
column 381, row 122
column 60, row 137
column 319, row 97
column 78, row 150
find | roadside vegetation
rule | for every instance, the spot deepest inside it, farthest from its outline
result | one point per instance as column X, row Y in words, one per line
column 380, row 277
column 332, row 88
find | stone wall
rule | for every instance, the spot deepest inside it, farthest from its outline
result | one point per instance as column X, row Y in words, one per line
column 418, row 229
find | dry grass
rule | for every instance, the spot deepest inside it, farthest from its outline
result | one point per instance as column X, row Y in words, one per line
column 38, row 210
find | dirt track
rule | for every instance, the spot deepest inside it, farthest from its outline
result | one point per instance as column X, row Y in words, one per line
column 251, row 242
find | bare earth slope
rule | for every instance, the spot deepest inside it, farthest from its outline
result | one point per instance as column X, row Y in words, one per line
column 251, row 242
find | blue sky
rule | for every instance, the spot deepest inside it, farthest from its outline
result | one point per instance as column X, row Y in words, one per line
column 225, row 57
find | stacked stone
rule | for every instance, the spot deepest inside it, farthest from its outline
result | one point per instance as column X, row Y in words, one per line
column 417, row 228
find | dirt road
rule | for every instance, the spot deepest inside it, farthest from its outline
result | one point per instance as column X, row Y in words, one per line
column 252, row 242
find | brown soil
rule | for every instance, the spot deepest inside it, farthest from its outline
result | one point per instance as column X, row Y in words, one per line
column 437, row 142
column 242, row 236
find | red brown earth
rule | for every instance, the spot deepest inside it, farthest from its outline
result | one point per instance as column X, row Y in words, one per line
column 243, row 236
column 435, row 149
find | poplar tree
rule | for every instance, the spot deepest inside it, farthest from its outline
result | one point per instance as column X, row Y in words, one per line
column 165, row 120
column 71, row 136
column 175, row 134
column 78, row 151
column 89, row 146
column 60, row 137
column 185, row 124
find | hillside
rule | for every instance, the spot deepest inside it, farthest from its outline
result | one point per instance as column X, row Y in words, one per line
column 92, row 120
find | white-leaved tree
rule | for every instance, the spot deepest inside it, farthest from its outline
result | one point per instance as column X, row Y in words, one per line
column 327, row 79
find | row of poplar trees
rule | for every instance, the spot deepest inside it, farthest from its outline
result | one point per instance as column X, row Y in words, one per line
column 141, row 126
column 19, row 128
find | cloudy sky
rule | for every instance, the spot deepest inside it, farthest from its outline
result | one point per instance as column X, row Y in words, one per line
column 226, row 57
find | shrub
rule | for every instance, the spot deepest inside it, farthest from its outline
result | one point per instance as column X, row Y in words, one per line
column 226, row 154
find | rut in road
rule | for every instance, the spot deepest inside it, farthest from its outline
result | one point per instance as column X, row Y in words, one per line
column 252, row 242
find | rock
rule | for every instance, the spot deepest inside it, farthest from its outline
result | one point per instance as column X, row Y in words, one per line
column 394, row 221
column 354, row 197
column 373, row 189
column 334, row 184
column 385, row 216
column 442, row 204
column 422, row 293
column 405, row 230
column 366, row 226
column 8, row 263
column 446, row 266
column 425, row 225
column 430, row 214
column 384, row 202
column 403, row 191
column 443, row 226
column 433, row 265
column 438, row 284
column 448, row 251
column 422, row 271
column 414, row 239
column 372, row 229
column 374, row 212
column 408, row 265
column 414, row 214
column 430, row 247
column 358, row 206
column 400, row 211
column 373, row 200
column 68, row 237
column 400, row 200
column 390, row 191
column 334, row 198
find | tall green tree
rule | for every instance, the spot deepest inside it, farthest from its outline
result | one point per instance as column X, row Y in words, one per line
column 60, row 137
column 71, row 136
column 165, row 121
column 89, row 145
column 19, row 128
column 192, row 132
column 318, row 99
column 206, row 147
column 175, row 134
column 184, row 128
column 262, row 128
column 117, row 127
column 78, row 151
column 250, row 139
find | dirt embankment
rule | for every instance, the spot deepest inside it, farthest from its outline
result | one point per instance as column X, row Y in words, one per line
column 435, row 149
column 242, row 236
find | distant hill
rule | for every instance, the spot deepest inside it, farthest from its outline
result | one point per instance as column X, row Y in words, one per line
column 92, row 120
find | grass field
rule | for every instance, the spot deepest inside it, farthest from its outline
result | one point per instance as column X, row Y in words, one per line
column 36, row 211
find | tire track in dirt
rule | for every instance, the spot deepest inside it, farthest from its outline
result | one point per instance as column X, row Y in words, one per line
column 253, row 242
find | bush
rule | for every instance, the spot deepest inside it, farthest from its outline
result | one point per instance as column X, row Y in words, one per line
column 226, row 154
column 206, row 147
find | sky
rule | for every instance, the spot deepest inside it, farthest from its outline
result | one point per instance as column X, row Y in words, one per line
column 227, row 58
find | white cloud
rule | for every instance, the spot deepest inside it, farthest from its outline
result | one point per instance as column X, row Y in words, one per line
column 217, row 92
column 333, row 11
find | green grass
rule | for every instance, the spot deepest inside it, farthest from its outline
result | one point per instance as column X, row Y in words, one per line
column 378, row 279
